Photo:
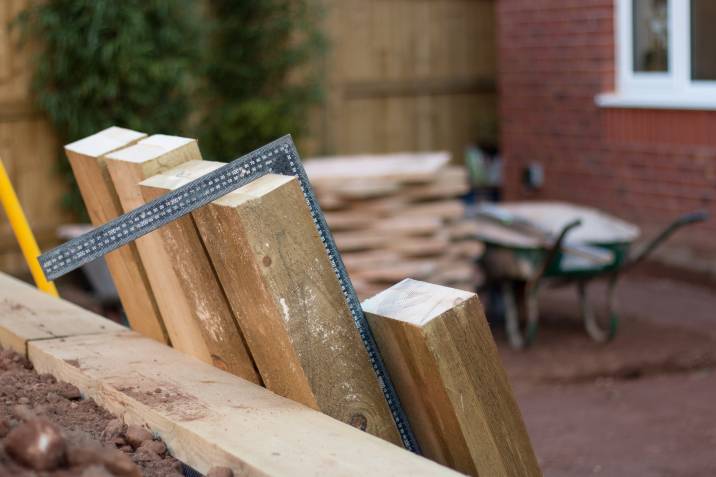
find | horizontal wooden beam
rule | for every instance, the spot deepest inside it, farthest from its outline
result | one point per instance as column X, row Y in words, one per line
column 418, row 87
column 199, row 284
column 26, row 315
column 207, row 417
column 127, row 168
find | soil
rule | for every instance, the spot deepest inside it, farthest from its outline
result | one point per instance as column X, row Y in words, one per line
column 642, row 405
column 48, row 429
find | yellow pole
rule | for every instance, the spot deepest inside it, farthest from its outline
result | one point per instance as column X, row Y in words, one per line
column 22, row 231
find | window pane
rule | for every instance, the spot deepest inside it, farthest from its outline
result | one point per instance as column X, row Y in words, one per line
column 651, row 35
column 703, row 39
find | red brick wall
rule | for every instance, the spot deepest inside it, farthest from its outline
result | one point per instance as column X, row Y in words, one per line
column 647, row 166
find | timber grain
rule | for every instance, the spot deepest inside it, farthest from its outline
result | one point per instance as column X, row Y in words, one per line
column 207, row 417
column 102, row 203
column 440, row 352
column 177, row 263
column 128, row 167
column 289, row 304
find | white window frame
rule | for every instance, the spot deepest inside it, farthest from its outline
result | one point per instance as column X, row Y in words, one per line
column 668, row 90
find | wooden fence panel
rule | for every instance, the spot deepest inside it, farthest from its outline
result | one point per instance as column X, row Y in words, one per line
column 28, row 146
column 400, row 75
column 407, row 75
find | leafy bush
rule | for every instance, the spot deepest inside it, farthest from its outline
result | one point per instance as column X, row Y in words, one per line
column 260, row 75
column 225, row 70
column 104, row 62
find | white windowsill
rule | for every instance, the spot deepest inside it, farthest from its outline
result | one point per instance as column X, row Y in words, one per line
column 646, row 101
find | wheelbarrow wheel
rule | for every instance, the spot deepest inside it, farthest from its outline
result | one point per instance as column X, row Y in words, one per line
column 599, row 332
column 520, row 303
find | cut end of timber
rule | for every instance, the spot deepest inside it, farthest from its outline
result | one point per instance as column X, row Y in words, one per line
column 104, row 141
column 415, row 302
column 191, row 170
column 254, row 190
column 166, row 142
column 26, row 315
column 150, row 148
column 181, row 174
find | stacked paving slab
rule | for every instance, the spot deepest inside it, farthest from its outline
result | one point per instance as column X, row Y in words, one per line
column 395, row 216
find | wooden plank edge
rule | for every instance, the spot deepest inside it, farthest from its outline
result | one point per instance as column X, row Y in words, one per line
column 220, row 420
column 27, row 314
column 215, row 418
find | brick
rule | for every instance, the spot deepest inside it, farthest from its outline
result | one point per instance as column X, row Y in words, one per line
column 554, row 57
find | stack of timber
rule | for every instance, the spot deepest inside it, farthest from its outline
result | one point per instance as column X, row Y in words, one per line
column 245, row 284
column 397, row 215
column 220, row 285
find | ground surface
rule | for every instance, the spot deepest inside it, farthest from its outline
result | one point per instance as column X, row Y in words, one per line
column 47, row 429
column 643, row 405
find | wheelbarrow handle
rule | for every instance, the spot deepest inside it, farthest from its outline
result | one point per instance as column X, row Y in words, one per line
column 681, row 221
column 691, row 218
column 553, row 251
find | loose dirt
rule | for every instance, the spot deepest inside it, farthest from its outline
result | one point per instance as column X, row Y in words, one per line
column 642, row 405
column 48, row 429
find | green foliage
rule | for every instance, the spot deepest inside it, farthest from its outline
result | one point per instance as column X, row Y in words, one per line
column 106, row 62
column 261, row 76
column 237, row 73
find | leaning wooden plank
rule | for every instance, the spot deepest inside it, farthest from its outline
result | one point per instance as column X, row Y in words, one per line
column 209, row 417
column 26, row 314
column 200, row 285
column 289, row 303
column 102, row 204
column 128, row 167
column 445, row 365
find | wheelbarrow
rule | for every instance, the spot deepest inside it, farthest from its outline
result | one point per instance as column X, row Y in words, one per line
column 530, row 244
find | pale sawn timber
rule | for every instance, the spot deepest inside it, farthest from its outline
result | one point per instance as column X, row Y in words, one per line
column 278, row 278
column 207, row 417
column 127, row 168
column 440, row 352
column 100, row 198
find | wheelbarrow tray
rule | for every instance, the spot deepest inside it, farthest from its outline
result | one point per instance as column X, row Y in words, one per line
column 510, row 254
column 510, row 262
column 532, row 242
